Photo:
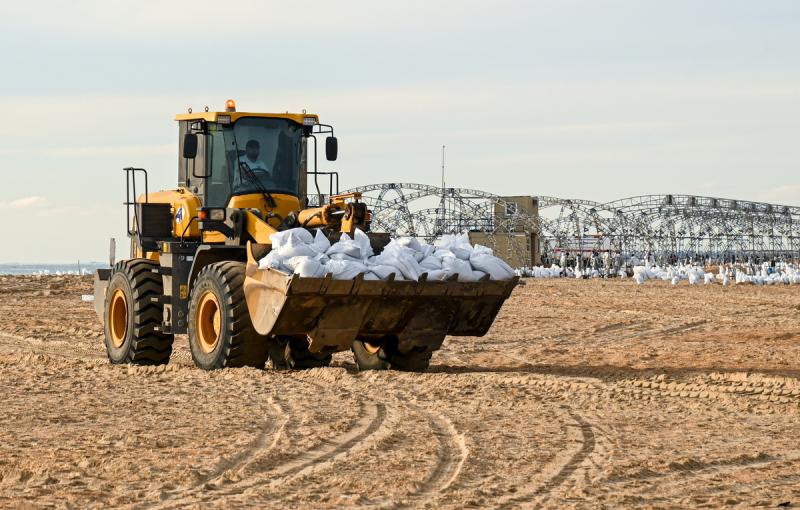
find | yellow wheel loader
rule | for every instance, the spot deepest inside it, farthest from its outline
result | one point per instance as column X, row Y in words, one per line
column 193, row 266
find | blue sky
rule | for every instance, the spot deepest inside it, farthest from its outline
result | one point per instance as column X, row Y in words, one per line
column 595, row 99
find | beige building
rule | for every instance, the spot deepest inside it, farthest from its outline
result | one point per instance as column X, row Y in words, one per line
column 515, row 238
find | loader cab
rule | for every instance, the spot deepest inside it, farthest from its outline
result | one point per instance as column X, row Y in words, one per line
column 223, row 155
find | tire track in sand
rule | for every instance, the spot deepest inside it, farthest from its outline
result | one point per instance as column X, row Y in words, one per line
column 452, row 453
column 265, row 441
column 683, row 476
column 258, row 474
column 536, row 494
column 372, row 418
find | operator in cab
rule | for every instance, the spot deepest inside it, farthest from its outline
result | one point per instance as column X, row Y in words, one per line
column 253, row 168
column 250, row 157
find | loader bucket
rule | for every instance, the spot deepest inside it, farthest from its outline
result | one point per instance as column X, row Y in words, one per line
column 333, row 313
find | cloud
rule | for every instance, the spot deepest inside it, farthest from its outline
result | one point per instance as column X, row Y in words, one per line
column 111, row 151
column 76, row 211
column 788, row 194
column 24, row 203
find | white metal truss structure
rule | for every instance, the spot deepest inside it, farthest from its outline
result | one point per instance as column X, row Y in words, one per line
column 664, row 225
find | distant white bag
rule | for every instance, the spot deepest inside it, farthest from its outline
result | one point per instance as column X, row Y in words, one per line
column 494, row 266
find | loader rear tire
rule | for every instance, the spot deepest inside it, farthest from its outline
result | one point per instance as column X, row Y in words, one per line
column 415, row 360
column 290, row 353
column 386, row 356
column 369, row 357
column 220, row 331
column 133, row 315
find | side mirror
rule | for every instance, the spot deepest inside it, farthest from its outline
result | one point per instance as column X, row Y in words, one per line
column 190, row 145
column 331, row 148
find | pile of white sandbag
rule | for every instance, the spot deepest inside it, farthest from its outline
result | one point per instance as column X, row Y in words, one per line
column 298, row 251
column 553, row 271
column 783, row 273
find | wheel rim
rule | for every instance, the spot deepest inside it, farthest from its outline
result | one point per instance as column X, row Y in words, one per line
column 118, row 317
column 372, row 349
column 208, row 322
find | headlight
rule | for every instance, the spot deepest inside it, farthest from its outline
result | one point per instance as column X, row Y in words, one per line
column 309, row 121
column 211, row 214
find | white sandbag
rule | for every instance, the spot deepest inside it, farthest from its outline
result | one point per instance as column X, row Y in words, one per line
column 480, row 249
column 454, row 265
column 363, row 241
column 445, row 241
column 437, row 275
column 322, row 258
column 293, row 235
column 344, row 256
column 308, row 268
column 295, row 249
column 347, row 246
column 401, row 258
column 461, row 252
column 321, row 241
column 430, row 263
column 272, row 260
column 426, row 249
column 344, row 269
column 457, row 244
column 383, row 271
column 409, row 242
column 494, row 266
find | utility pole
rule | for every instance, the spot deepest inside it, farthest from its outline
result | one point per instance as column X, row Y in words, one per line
column 442, row 170
column 442, row 205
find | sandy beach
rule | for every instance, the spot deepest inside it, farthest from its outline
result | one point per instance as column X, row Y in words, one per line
column 584, row 394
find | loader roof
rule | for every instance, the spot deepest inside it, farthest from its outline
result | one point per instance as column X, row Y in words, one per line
column 234, row 116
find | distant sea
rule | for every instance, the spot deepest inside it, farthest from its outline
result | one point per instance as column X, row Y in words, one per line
column 50, row 269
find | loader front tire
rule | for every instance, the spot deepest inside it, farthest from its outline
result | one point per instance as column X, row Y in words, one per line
column 134, row 314
column 220, row 331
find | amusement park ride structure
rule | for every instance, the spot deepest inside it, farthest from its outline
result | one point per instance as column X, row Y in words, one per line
column 544, row 226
